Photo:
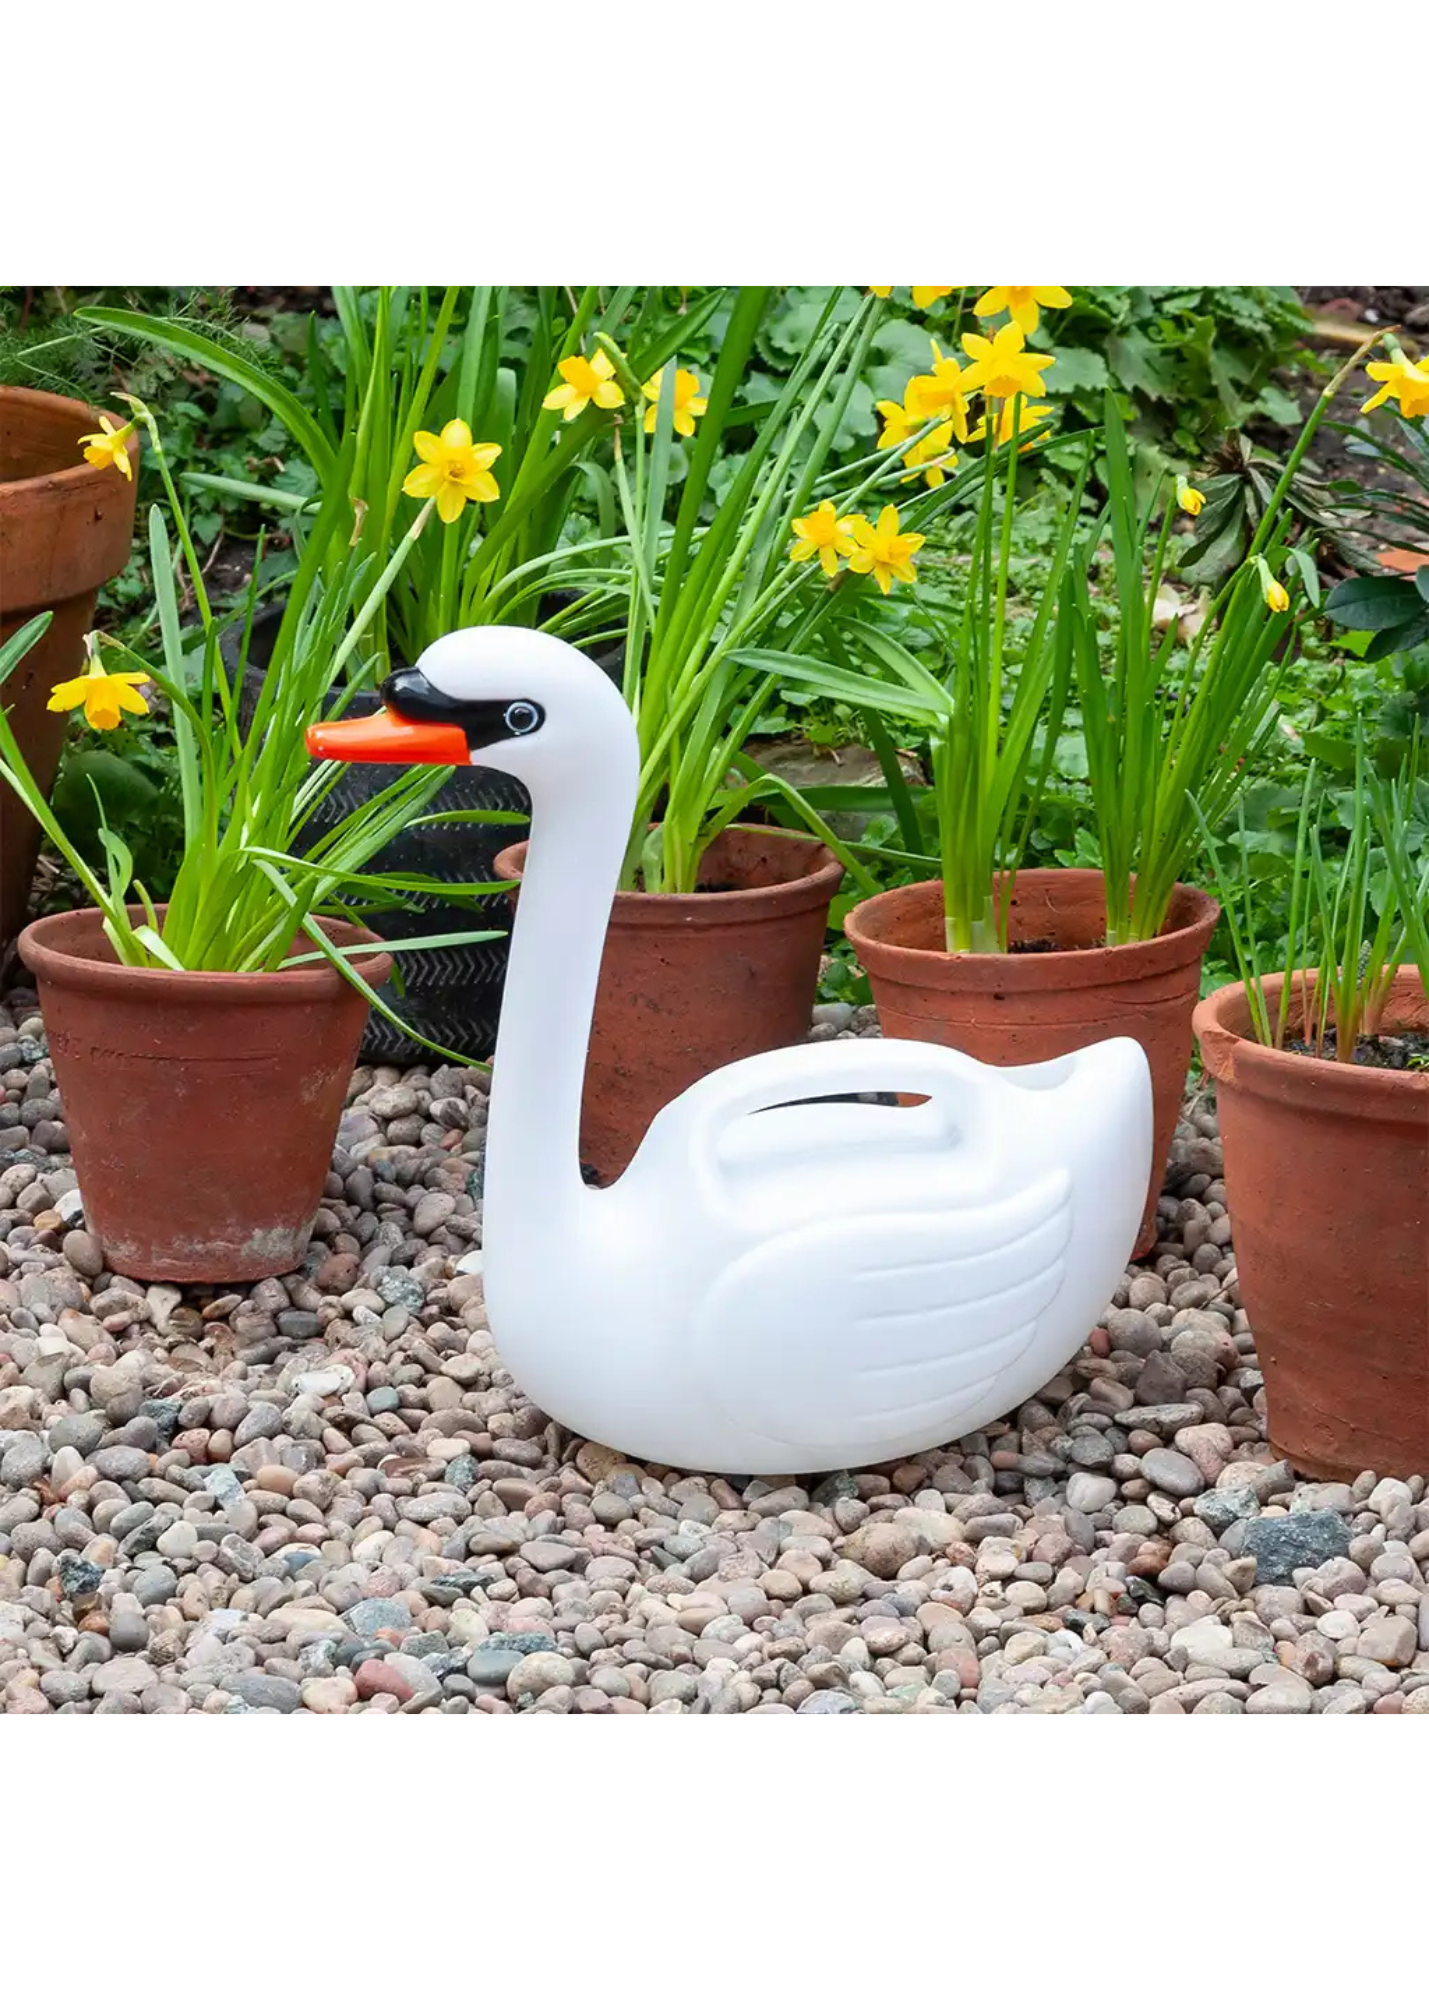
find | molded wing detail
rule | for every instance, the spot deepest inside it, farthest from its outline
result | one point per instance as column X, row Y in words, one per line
column 844, row 1333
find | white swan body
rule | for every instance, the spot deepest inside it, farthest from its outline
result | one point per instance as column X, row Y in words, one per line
column 774, row 1284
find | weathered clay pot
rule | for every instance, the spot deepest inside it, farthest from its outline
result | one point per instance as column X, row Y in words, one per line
column 1026, row 1007
column 689, row 983
column 65, row 528
column 1327, row 1182
column 201, row 1106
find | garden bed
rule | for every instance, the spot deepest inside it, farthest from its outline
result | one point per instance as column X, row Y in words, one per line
column 325, row 1493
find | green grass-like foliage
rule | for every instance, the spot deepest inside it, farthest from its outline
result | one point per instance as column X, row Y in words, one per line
column 410, row 359
column 241, row 900
column 1354, row 919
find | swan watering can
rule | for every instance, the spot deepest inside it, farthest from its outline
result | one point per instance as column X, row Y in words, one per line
column 774, row 1284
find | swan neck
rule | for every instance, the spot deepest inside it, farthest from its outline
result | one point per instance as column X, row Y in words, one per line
column 579, row 826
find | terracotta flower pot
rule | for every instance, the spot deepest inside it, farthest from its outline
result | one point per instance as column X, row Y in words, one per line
column 689, row 983
column 201, row 1106
column 1026, row 1007
column 65, row 528
column 1327, row 1182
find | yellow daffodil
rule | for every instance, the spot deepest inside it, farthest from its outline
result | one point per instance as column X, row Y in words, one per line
column 453, row 471
column 882, row 552
column 899, row 423
column 1405, row 380
column 881, row 291
column 933, row 454
column 1274, row 592
column 1190, row 499
column 939, row 394
column 925, row 295
column 1021, row 302
column 109, row 446
column 1000, row 367
column 689, row 403
column 585, row 380
column 1010, row 419
column 106, row 697
column 902, row 420
column 824, row 534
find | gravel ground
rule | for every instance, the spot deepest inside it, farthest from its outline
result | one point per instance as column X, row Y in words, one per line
column 325, row 1494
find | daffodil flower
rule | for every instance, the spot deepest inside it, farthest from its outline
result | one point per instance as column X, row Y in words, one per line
column 899, row 424
column 824, row 534
column 1000, row 368
column 940, row 394
column 882, row 552
column 109, row 445
column 1405, row 380
column 1190, row 499
column 453, row 471
column 1021, row 302
column 1010, row 421
column 689, row 403
column 933, row 454
column 926, row 295
column 1273, row 591
column 106, row 698
column 585, row 381
column 881, row 291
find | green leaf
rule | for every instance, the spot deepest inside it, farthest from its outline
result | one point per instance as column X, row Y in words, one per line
column 180, row 338
column 1076, row 368
column 1331, row 750
column 19, row 643
column 1372, row 603
column 1140, row 366
column 1304, row 562
column 1398, row 638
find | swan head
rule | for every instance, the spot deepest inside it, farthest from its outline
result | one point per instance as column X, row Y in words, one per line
column 503, row 696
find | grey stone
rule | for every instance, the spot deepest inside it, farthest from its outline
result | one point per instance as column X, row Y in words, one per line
column 77, row 1577
column 1224, row 1505
column 1172, row 1472
column 121, row 1462
column 396, row 1286
column 23, row 1461
column 156, row 1584
column 258, row 1690
column 1089, row 1492
column 491, row 1666
column 81, row 1432
column 264, row 1420
column 828, row 1701
column 516, row 1642
column 378, row 1614
column 1283, row 1543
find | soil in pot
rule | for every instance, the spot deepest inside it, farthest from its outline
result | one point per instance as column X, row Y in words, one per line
column 1327, row 1184
column 689, row 983
column 1068, row 989
column 451, row 996
column 201, row 1106
column 65, row 528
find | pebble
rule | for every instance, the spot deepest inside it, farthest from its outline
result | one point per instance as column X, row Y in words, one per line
column 1283, row 1543
column 325, row 1493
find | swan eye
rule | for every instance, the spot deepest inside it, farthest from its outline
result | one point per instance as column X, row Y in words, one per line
column 522, row 717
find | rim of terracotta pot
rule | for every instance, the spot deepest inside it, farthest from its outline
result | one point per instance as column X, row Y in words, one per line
column 1230, row 1052
column 817, row 884
column 1191, row 918
column 23, row 492
column 52, row 948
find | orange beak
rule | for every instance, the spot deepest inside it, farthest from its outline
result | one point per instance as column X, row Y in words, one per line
column 385, row 738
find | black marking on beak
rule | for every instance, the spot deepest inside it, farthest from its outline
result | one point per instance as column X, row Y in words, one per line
column 409, row 694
